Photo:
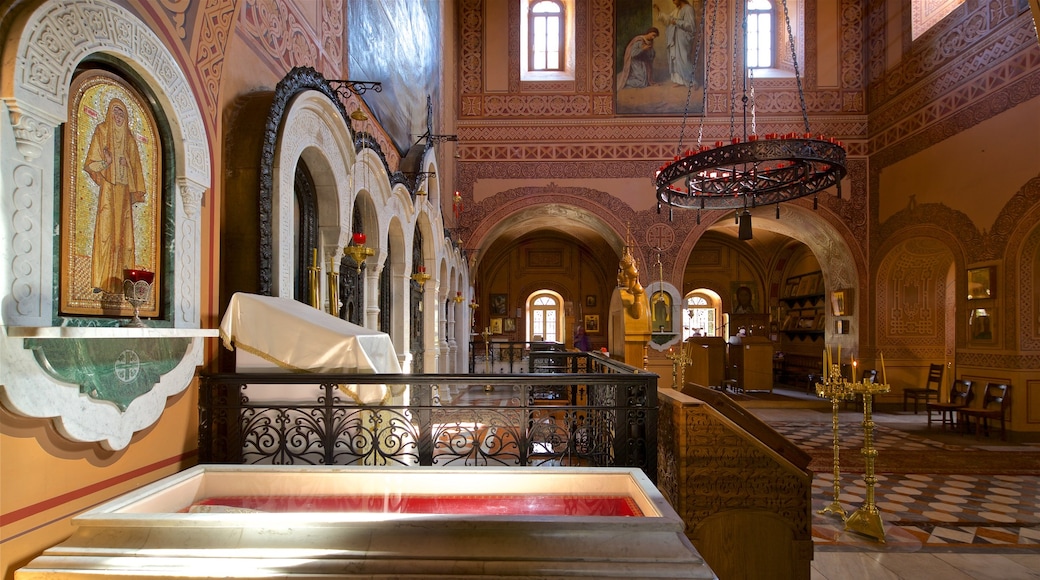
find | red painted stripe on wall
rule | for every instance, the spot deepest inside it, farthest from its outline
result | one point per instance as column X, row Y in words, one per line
column 40, row 507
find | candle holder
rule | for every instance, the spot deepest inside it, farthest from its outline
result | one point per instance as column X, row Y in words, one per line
column 137, row 288
column 487, row 357
column 358, row 252
column 679, row 362
column 837, row 389
column 314, row 281
column 421, row 278
column 332, row 281
column 867, row 519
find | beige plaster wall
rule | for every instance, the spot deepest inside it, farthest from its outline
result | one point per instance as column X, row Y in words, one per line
column 975, row 171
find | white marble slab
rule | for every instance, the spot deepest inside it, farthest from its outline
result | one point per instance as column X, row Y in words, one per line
column 145, row 532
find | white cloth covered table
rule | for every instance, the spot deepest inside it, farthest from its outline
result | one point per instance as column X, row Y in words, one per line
column 294, row 336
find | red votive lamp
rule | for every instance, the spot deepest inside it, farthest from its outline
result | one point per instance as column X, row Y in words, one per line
column 359, row 239
column 136, row 276
column 422, row 269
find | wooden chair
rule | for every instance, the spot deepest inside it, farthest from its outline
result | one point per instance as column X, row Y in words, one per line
column 995, row 403
column 935, row 375
column 961, row 396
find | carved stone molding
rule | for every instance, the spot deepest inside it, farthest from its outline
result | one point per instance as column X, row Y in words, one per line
column 53, row 40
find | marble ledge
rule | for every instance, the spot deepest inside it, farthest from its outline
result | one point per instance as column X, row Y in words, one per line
column 106, row 332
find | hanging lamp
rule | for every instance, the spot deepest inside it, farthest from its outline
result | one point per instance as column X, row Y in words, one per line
column 750, row 170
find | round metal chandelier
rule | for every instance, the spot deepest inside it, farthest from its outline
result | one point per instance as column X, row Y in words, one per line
column 751, row 170
column 747, row 174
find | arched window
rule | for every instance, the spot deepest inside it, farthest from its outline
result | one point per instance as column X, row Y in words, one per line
column 700, row 313
column 544, row 316
column 547, row 40
column 545, row 36
column 760, row 35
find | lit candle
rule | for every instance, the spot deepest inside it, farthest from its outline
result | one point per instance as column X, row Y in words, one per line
column 884, row 375
column 135, row 275
column 359, row 239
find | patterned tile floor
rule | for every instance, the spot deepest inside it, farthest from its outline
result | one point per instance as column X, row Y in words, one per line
column 969, row 512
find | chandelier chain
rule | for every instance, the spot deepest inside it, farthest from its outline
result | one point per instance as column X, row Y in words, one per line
column 689, row 89
column 794, row 62
column 707, row 64
column 737, row 23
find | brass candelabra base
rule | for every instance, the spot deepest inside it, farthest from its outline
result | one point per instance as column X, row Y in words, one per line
column 867, row 519
column 837, row 389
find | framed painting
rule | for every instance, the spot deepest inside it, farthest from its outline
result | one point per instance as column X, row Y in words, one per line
column 745, row 299
column 841, row 302
column 660, row 57
column 509, row 325
column 980, row 283
column 591, row 323
column 496, row 326
column 590, row 301
column 111, row 201
column 498, row 304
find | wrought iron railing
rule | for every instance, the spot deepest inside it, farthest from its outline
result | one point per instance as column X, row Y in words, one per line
column 589, row 411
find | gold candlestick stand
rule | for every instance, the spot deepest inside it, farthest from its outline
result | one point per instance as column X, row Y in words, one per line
column 867, row 519
column 837, row 389
column 314, row 279
column 487, row 356
column 679, row 362
column 332, row 281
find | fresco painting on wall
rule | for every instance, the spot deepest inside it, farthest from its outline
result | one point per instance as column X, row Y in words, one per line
column 111, row 198
column 660, row 57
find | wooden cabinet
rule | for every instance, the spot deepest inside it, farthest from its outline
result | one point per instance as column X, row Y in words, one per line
column 751, row 360
column 707, row 360
column 803, row 306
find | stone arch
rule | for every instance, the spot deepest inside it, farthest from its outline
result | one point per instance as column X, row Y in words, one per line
column 399, row 244
column 527, row 206
column 313, row 130
column 34, row 106
column 840, row 261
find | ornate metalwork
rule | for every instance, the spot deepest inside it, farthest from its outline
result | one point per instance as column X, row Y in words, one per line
column 299, row 79
column 752, row 173
column 344, row 88
column 604, row 419
column 433, row 138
